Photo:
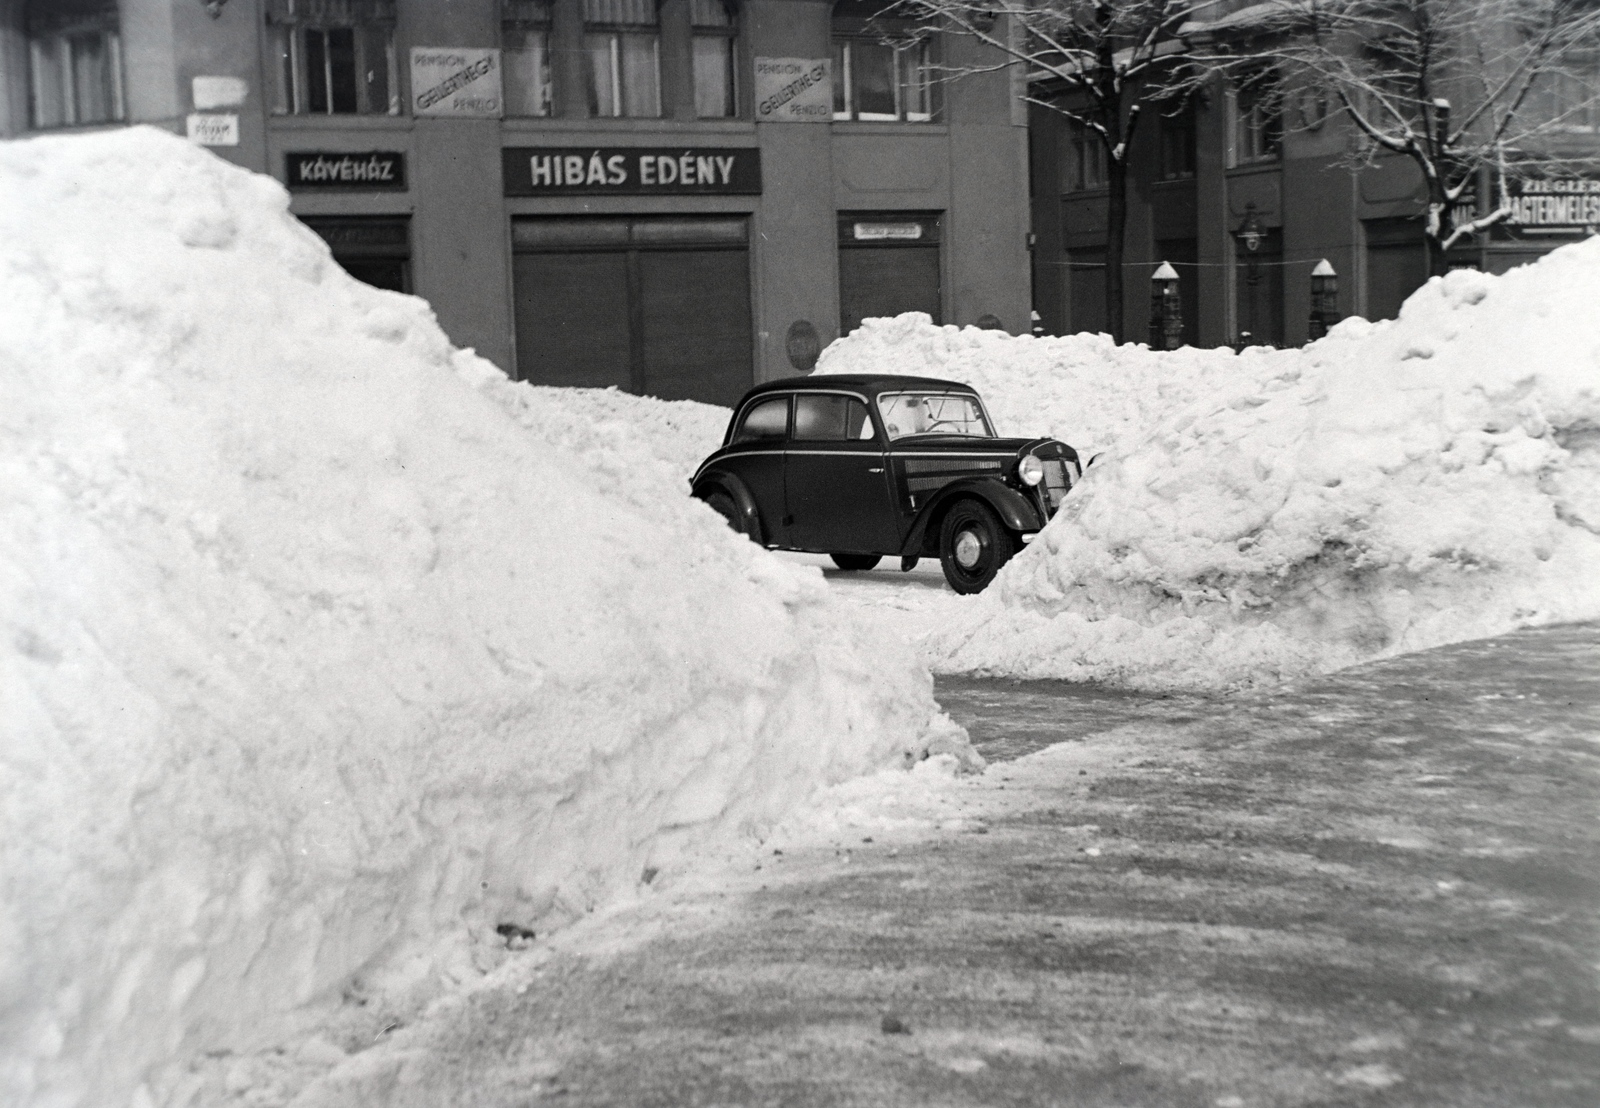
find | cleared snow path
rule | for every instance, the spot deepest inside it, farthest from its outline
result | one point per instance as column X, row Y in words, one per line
column 1377, row 884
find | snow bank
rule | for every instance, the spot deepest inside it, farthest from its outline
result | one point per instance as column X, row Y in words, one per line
column 316, row 665
column 1393, row 487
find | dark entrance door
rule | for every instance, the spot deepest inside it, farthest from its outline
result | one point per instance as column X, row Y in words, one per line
column 1258, row 288
column 654, row 306
column 373, row 249
column 1397, row 264
column 836, row 482
column 888, row 264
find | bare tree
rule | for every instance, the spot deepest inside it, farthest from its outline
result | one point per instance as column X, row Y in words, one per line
column 1099, row 63
column 1468, row 90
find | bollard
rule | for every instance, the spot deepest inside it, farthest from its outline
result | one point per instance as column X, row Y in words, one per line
column 1166, row 310
column 1324, row 299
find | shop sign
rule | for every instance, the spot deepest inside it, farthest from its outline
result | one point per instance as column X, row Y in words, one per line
column 1557, row 202
column 631, row 170
column 794, row 90
column 887, row 232
column 213, row 128
column 218, row 92
column 322, row 169
column 455, row 81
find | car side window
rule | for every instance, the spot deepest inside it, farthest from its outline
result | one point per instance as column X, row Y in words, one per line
column 819, row 418
column 766, row 421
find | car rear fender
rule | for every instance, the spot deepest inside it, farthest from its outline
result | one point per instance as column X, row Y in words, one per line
column 716, row 480
column 1014, row 510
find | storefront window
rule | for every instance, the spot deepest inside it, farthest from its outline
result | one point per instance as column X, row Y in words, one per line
column 714, row 38
column 75, row 62
column 525, row 48
column 882, row 70
column 621, row 51
column 333, row 57
column 1257, row 120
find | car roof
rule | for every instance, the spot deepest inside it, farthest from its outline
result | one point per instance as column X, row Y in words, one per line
column 869, row 383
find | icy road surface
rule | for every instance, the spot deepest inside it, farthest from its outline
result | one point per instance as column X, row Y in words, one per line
column 1380, row 887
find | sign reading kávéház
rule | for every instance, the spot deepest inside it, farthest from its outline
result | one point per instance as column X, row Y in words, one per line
column 455, row 81
column 632, row 170
column 322, row 169
column 794, row 90
column 1558, row 202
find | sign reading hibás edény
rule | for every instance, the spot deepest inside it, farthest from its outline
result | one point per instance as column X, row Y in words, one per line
column 794, row 90
column 323, row 169
column 1557, row 202
column 631, row 170
column 456, row 81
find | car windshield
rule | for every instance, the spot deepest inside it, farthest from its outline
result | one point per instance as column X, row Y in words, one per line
column 932, row 413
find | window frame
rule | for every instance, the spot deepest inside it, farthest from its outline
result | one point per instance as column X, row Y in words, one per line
column 903, row 37
column 787, row 399
column 620, row 89
column 728, row 34
column 849, row 398
column 1256, row 114
column 105, row 25
column 287, row 39
column 514, row 24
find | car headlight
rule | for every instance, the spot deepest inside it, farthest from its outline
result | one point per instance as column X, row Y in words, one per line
column 1030, row 469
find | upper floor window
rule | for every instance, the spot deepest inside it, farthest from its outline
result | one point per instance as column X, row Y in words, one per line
column 1086, row 158
column 74, row 62
column 715, row 35
column 1177, row 141
column 1257, row 119
column 333, row 57
column 882, row 69
column 622, row 56
column 525, row 50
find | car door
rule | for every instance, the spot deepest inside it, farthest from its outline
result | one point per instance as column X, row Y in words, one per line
column 835, row 479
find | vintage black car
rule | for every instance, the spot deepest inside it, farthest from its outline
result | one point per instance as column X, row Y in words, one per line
column 863, row 466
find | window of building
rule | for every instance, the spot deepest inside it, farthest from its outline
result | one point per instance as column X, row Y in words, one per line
column 333, row 57
column 1569, row 97
column 715, row 35
column 1177, row 143
column 1257, row 119
column 75, row 62
column 622, row 58
column 882, row 67
column 1087, row 158
column 525, row 56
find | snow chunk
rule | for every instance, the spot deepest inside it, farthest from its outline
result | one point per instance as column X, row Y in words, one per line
column 325, row 650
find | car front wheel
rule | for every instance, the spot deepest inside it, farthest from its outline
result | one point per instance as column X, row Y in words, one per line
column 855, row 561
column 973, row 545
column 723, row 505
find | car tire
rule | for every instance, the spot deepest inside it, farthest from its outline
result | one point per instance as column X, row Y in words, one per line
column 723, row 505
column 973, row 545
column 856, row 561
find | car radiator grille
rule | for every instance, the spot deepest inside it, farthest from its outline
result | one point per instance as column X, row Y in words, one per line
column 1056, row 481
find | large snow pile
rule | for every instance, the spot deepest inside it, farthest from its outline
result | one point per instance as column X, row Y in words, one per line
column 1393, row 487
column 317, row 666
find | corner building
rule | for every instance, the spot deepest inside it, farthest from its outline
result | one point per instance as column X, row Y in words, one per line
column 680, row 198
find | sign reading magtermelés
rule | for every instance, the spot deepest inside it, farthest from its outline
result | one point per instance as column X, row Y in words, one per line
column 1557, row 202
column 456, row 81
column 630, row 170
column 794, row 90
column 322, row 169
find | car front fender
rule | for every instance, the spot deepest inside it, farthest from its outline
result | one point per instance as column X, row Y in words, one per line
column 1016, row 511
column 716, row 480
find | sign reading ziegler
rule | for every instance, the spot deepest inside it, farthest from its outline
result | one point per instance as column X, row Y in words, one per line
column 1563, row 202
column 630, row 170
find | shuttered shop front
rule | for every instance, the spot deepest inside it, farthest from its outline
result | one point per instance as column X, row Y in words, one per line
column 654, row 305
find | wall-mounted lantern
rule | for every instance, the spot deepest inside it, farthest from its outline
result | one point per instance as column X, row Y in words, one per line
column 1166, row 309
column 213, row 7
column 1251, row 235
column 1324, row 298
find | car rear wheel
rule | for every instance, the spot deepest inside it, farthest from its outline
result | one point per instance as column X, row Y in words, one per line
column 723, row 505
column 973, row 545
column 855, row 561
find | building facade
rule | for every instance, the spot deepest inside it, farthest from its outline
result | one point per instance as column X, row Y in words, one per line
column 680, row 198
column 1244, row 194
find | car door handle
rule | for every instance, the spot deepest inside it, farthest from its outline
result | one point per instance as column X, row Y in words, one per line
column 875, row 469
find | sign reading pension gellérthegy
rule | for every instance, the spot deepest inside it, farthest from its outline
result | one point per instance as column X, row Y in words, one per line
column 631, row 170
column 456, row 81
column 325, row 169
column 1558, row 202
column 794, row 90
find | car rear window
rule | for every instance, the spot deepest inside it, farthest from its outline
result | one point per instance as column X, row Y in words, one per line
column 820, row 418
column 768, row 419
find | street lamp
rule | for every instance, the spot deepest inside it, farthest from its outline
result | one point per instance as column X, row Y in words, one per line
column 1166, row 309
column 1324, row 298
